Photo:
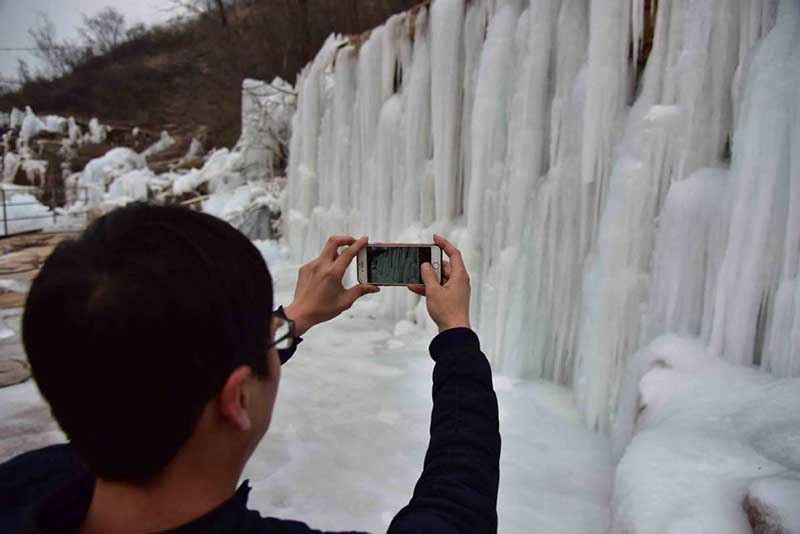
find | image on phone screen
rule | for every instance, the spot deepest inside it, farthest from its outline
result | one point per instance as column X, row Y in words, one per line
column 396, row 265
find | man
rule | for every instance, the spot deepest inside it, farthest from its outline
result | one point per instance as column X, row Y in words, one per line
column 152, row 338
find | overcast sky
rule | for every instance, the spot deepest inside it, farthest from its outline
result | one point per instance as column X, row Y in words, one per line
column 16, row 16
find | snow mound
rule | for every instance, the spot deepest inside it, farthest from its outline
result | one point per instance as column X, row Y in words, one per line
column 700, row 438
column 24, row 212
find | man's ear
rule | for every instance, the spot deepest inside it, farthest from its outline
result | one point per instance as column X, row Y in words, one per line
column 234, row 399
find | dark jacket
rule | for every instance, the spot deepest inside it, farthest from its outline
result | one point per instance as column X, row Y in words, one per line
column 49, row 490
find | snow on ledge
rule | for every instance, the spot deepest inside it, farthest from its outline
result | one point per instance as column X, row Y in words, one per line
column 706, row 446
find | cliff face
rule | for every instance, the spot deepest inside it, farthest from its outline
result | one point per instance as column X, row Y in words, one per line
column 189, row 73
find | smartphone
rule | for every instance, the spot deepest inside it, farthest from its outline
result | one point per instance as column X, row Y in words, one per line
column 397, row 264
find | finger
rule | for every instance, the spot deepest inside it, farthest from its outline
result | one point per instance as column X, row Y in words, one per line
column 348, row 254
column 453, row 253
column 429, row 276
column 417, row 290
column 358, row 291
column 331, row 250
column 447, row 269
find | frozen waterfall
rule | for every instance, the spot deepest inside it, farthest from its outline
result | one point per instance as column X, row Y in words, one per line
column 599, row 204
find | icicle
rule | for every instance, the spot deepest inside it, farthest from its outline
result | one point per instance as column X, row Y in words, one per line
column 605, row 103
column 447, row 17
column 418, row 188
column 761, row 177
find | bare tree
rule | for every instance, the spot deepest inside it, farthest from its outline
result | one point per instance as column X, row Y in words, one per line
column 23, row 71
column 204, row 8
column 104, row 31
column 137, row 31
column 59, row 58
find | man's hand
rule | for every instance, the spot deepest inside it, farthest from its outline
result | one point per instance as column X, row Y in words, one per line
column 448, row 304
column 320, row 295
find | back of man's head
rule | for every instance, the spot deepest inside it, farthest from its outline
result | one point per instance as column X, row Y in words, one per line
column 132, row 328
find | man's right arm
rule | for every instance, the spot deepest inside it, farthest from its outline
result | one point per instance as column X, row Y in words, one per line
column 457, row 492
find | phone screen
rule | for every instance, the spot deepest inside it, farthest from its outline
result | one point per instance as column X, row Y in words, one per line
column 396, row 265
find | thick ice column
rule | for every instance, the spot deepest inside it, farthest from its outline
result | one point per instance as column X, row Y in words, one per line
column 447, row 20
column 527, row 162
column 686, row 257
column 530, row 126
column 388, row 180
column 343, row 104
column 761, row 175
column 417, row 187
column 475, row 24
column 782, row 355
column 490, row 120
column 614, row 283
column 703, row 74
column 609, row 87
column 368, row 108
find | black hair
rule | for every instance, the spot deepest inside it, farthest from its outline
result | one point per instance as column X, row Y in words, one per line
column 134, row 326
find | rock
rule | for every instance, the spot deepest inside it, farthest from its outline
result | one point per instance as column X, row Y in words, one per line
column 773, row 506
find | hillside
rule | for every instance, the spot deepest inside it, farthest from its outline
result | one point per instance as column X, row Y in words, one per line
column 189, row 72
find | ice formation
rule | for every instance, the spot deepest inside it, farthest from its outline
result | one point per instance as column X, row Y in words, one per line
column 15, row 119
column 163, row 143
column 130, row 186
column 101, row 172
column 598, row 204
column 97, row 132
column 267, row 109
column 31, row 126
column 222, row 170
column 11, row 165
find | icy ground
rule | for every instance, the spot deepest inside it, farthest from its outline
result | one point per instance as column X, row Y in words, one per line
column 350, row 432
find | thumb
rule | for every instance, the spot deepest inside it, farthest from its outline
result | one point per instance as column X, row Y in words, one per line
column 358, row 291
column 428, row 276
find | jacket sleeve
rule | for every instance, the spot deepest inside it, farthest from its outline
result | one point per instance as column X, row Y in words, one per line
column 457, row 491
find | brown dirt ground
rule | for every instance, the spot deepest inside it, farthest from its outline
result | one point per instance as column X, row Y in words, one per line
column 21, row 258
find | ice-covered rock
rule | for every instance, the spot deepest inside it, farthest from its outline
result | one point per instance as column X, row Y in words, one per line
column 131, row 186
column 100, row 172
